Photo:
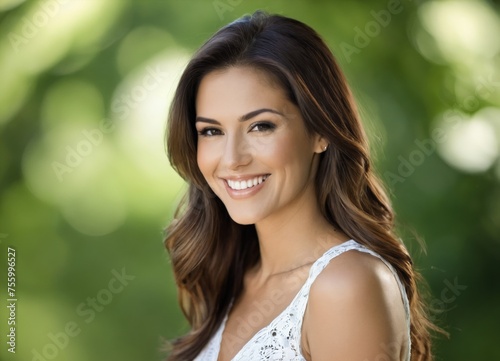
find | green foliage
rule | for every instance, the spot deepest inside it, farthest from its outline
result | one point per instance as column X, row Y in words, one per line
column 86, row 189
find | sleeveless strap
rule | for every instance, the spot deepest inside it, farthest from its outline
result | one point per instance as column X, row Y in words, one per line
column 280, row 340
column 324, row 260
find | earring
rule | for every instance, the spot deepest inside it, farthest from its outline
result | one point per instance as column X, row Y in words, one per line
column 325, row 148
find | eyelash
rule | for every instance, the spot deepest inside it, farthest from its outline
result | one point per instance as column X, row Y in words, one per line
column 204, row 132
column 268, row 127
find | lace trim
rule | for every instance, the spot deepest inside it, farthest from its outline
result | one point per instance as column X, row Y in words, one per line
column 280, row 339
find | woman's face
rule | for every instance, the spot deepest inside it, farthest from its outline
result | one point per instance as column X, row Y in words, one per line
column 253, row 148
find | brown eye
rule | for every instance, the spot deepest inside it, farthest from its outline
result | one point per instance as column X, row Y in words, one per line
column 262, row 127
column 209, row 132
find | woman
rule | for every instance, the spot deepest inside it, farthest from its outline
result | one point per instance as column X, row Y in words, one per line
column 265, row 131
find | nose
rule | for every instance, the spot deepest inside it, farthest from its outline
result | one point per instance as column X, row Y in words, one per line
column 237, row 152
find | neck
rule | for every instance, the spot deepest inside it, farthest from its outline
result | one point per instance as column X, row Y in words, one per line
column 294, row 237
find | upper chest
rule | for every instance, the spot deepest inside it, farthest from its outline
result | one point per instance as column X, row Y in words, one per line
column 255, row 309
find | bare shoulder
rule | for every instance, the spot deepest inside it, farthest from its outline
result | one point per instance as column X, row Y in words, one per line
column 355, row 274
column 355, row 311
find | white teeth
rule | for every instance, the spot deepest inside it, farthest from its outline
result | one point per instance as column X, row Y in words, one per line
column 244, row 184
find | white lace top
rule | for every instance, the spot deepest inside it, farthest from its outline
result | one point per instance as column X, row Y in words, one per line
column 280, row 340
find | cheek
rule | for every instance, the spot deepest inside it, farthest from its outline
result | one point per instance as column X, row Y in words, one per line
column 278, row 153
column 202, row 160
column 205, row 159
column 286, row 150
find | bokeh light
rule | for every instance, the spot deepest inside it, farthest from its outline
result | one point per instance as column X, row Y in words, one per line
column 87, row 188
column 472, row 144
column 462, row 30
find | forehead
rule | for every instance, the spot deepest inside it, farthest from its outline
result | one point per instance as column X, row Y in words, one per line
column 238, row 90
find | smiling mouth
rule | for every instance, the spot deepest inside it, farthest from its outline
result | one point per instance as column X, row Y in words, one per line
column 248, row 183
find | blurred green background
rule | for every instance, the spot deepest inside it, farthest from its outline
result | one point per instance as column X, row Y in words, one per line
column 86, row 188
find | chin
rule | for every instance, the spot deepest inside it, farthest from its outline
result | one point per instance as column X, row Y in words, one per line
column 244, row 218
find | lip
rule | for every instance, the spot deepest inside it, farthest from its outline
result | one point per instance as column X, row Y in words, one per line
column 243, row 193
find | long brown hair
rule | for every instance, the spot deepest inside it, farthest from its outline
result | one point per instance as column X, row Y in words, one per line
column 210, row 252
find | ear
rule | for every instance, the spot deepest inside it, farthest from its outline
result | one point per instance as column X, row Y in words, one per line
column 320, row 144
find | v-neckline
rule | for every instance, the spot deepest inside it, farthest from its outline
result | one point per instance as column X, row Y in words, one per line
column 274, row 320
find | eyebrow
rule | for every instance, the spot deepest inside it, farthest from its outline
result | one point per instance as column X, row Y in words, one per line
column 243, row 118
